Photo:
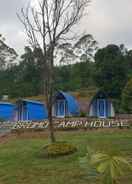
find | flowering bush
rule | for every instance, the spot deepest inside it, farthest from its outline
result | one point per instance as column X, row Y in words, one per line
column 58, row 149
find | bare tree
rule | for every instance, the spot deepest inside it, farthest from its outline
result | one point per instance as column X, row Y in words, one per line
column 46, row 25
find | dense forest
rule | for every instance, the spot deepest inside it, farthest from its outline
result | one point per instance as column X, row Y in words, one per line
column 79, row 66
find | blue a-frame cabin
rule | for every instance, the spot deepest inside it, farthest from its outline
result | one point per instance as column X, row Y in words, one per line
column 101, row 106
column 6, row 111
column 29, row 110
column 65, row 105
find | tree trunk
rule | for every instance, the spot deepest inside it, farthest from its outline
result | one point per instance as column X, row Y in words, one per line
column 51, row 126
column 50, row 97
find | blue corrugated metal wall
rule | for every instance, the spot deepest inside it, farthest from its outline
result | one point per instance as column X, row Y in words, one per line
column 72, row 105
column 6, row 111
column 36, row 111
column 31, row 111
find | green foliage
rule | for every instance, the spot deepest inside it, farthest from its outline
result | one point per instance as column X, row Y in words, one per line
column 110, row 71
column 24, row 79
column 58, row 149
column 127, row 97
column 74, row 77
column 108, row 167
column 110, row 66
column 86, row 47
column 83, row 114
column 27, row 78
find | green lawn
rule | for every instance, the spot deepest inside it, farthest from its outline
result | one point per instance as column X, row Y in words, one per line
column 20, row 162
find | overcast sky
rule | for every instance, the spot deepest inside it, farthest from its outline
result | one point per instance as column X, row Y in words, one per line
column 109, row 21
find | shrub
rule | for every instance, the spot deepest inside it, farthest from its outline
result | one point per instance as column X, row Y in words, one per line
column 83, row 114
column 58, row 149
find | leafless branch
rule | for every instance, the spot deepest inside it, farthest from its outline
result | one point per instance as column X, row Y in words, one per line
column 45, row 27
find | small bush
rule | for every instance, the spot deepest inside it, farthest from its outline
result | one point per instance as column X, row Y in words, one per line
column 83, row 114
column 58, row 149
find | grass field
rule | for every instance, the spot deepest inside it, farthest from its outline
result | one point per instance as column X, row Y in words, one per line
column 20, row 162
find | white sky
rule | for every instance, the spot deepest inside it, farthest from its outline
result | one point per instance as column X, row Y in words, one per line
column 109, row 21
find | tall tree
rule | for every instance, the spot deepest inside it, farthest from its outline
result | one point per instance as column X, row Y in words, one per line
column 77, row 59
column 23, row 79
column 128, row 57
column 83, row 50
column 127, row 97
column 7, row 54
column 29, row 71
column 110, row 71
column 46, row 26
column 86, row 47
column 65, row 54
column 8, row 58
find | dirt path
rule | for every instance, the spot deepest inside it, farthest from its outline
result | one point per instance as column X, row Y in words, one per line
column 5, row 137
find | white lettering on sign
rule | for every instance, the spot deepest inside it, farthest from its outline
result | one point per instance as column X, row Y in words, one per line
column 73, row 124
column 76, row 124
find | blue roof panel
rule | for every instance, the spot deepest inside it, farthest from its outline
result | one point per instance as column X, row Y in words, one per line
column 32, row 101
column 73, row 105
column 31, row 110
